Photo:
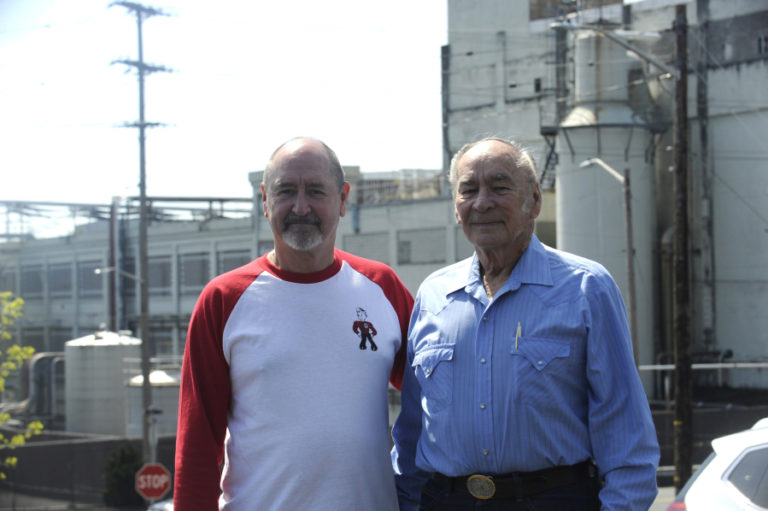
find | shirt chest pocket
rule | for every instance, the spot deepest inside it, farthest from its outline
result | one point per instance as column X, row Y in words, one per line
column 540, row 352
column 433, row 366
column 540, row 366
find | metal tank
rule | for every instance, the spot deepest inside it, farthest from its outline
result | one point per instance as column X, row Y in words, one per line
column 95, row 382
column 591, row 211
column 165, row 402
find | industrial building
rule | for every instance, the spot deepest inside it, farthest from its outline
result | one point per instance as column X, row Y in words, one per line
column 87, row 281
column 585, row 80
column 581, row 84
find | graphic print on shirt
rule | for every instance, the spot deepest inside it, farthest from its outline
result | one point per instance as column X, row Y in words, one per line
column 365, row 329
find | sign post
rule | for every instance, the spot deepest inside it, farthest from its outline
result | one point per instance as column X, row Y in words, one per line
column 153, row 481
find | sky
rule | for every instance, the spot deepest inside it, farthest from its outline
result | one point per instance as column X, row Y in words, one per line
column 363, row 77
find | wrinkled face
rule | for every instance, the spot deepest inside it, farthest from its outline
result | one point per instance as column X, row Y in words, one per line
column 301, row 198
column 496, row 202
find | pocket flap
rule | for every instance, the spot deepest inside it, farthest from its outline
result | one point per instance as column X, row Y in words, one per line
column 540, row 352
column 428, row 359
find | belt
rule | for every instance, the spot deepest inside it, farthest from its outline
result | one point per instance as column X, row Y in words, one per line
column 517, row 484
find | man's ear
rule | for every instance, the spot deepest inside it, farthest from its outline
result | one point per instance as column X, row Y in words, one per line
column 537, row 199
column 264, row 200
column 344, row 197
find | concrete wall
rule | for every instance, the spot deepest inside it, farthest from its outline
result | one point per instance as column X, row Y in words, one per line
column 72, row 469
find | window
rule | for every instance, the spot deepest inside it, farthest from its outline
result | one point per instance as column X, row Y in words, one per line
column 128, row 284
column 404, row 252
column 58, row 336
column 421, row 246
column 89, row 284
column 231, row 259
column 32, row 281
column 162, row 341
column 159, row 276
column 762, row 45
column 33, row 336
column 749, row 476
column 193, row 272
column 7, row 280
column 60, row 280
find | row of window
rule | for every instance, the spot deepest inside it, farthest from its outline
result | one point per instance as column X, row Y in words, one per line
column 414, row 246
column 62, row 279
column 66, row 280
column 81, row 279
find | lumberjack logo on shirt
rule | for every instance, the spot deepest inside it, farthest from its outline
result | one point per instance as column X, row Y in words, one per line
column 364, row 329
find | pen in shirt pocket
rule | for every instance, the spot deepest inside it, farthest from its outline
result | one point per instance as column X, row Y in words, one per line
column 517, row 335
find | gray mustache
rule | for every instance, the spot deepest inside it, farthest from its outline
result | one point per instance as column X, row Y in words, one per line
column 296, row 219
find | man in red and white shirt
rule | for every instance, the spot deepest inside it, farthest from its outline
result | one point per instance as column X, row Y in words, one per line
column 279, row 407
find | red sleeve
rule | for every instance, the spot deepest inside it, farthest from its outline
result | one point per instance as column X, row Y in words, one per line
column 397, row 294
column 205, row 393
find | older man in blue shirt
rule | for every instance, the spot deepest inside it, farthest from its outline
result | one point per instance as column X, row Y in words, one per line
column 521, row 390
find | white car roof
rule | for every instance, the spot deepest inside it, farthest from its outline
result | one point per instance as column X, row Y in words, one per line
column 756, row 435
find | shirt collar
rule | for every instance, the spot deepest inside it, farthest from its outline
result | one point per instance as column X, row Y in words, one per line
column 532, row 268
column 303, row 278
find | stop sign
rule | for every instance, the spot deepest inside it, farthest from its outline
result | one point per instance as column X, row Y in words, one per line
column 153, row 481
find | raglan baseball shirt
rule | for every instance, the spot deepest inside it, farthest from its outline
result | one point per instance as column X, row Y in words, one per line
column 277, row 385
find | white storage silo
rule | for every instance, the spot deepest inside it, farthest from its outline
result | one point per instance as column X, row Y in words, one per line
column 591, row 212
column 165, row 402
column 95, row 382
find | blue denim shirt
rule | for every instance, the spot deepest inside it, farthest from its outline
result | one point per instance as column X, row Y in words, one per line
column 542, row 375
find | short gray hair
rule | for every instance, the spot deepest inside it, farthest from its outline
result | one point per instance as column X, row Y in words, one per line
column 336, row 170
column 522, row 158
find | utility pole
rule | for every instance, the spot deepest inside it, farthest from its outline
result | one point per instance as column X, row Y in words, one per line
column 683, row 418
column 631, row 266
column 143, row 12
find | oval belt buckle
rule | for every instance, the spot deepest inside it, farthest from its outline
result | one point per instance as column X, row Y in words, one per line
column 481, row 487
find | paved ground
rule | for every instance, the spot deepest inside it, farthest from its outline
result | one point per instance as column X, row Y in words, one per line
column 664, row 499
column 21, row 503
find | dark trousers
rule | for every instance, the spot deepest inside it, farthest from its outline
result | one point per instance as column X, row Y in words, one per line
column 579, row 496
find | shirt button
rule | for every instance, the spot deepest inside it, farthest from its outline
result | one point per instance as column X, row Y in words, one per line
column 485, row 318
column 482, row 360
column 482, row 406
column 485, row 452
column 427, row 371
column 540, row 362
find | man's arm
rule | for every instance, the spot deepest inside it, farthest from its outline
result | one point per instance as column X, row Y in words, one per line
column 405, row 433
column 402, row 301
column 203, row 403
column 623, row 434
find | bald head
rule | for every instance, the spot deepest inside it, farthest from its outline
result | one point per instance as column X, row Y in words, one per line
column 301, row 147
column 518, row 156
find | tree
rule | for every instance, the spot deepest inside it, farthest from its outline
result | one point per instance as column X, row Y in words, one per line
column 12, row 360
column 121, row 468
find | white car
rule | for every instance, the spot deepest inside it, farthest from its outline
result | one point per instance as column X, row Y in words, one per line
column 733, row 477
